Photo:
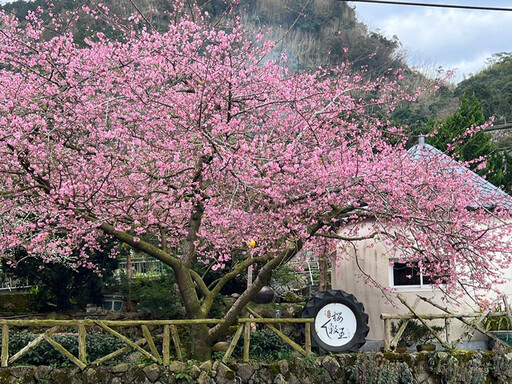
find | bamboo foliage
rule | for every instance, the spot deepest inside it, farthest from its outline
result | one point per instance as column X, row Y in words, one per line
column 168, row 333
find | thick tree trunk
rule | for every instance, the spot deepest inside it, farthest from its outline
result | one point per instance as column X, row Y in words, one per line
column 188, row 293
column 323, row 263
column 323, row 268
column 200, row 342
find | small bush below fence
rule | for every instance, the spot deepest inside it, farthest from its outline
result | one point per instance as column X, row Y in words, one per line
column 265, row 346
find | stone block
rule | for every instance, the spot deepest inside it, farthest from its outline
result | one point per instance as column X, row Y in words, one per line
column 330, row 365
column 206, row 366
column 42, row 372
column 177, row 366
column 284, row 367
column 22, row 372
column 204, row 378
column 120, row 368
column 221, row 346
column 279, row 379
column 152, row 372
column 245, row 372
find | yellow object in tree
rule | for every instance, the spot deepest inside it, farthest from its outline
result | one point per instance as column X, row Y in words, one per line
column 250, row 243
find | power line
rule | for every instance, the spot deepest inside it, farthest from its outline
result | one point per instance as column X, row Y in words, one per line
column 455, row 6
column 502, row 127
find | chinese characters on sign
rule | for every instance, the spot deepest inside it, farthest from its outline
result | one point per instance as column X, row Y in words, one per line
column 335, row 324
column 334, row 328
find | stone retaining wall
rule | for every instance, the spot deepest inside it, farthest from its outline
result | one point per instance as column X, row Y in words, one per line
column 388, row 368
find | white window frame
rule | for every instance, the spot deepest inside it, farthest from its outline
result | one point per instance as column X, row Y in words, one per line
column 416, row 287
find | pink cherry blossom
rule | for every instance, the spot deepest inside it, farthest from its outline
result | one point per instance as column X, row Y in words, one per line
column 187, row 143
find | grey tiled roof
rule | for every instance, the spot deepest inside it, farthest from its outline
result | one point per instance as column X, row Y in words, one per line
column 486, row 194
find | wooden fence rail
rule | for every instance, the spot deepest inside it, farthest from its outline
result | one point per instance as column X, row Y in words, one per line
column 472, row 322
column 169, row 332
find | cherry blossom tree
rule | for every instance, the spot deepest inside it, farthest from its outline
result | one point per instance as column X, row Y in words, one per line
column 189, row 143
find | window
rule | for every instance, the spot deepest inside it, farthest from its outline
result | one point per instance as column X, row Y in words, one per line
column 408, row 275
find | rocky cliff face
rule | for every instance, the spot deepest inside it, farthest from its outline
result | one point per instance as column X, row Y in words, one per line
column 312, row 32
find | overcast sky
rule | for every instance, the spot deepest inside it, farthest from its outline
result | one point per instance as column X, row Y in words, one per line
column 451, row 38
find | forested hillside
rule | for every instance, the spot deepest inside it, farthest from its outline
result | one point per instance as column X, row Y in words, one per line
column 492, row 87
column 323, row 33
column 313, row 32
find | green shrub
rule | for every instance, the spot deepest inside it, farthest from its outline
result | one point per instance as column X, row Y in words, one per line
column 97, row 345
column 156, row 296
column 265, row 346
column 58, row 287
column 16, row 302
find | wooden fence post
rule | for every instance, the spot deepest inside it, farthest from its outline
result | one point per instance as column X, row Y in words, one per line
column 401, row 330
column 64, row 351
column 307, row 335
column 82, row 342
column 507, row 309
column 448, row 330
column 166, row 346
column 160, row 357
column 176, row 341
column 387, row 335
column 233, row 343
column 151, row 343
column 472, row 326
column 33, row 344
column 5, row 345
column 282, row 336
column 247, row 341
column 126, row 340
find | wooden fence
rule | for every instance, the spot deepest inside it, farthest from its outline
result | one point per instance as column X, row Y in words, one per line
column 168, row 328
column 472, row 322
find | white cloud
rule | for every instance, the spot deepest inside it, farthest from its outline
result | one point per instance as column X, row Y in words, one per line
column 444, row 37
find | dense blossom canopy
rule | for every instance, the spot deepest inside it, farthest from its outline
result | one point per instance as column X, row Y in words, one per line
column 188, row 143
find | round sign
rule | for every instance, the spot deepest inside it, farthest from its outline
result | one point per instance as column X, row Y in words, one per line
column 335, row 324
column 340, row 325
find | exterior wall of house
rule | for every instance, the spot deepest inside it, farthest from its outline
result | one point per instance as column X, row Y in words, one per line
column 360, row 277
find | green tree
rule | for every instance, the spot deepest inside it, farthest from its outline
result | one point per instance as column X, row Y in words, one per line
column 58, row 286
column 453, row 129
column 470, row 114
column 151, row 295
column 492, row 87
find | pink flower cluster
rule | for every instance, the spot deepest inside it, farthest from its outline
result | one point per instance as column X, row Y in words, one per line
column 141, row 132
